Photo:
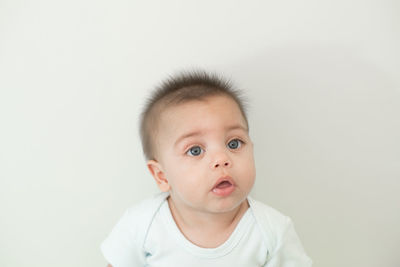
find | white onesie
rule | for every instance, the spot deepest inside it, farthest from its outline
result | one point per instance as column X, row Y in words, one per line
column 147, row 235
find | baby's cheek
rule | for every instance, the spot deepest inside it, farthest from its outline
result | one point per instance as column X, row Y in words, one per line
column 249, row 171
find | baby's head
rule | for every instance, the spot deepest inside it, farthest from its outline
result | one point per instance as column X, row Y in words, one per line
column 195, row 138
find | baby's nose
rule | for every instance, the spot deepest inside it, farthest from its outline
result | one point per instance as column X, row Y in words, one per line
column 221, row 160
column 225, row 164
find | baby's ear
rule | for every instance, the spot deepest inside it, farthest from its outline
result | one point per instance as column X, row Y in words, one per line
column 158, row 174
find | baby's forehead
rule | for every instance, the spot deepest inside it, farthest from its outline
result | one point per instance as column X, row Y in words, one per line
column 175, row 106
column 194, row 115
column 208, row 107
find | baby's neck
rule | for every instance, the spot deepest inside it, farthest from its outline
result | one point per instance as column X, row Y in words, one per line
column 208, row 230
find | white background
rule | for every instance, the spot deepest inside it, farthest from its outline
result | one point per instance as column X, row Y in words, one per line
column 324, row 88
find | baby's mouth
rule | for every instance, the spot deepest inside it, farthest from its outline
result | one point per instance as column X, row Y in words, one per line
column 224, row 184
column 224, row 187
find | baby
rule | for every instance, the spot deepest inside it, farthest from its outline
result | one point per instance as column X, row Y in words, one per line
column 195, row 137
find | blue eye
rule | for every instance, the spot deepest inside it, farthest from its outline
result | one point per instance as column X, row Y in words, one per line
column 194, row 151
column 234, row 144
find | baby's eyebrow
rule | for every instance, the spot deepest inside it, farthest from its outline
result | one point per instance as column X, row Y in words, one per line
column 199, row 133
column 187, row 135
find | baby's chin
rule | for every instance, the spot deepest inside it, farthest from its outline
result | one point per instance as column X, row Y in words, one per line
column 211, row 203
column 228, row 205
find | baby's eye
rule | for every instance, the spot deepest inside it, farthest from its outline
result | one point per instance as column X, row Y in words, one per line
column 194, row 151
column 235, row 144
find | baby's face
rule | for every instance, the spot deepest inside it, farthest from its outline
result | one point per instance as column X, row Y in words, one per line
column 200, row 142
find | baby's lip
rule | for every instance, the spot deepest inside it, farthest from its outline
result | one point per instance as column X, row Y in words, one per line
column 223, row 179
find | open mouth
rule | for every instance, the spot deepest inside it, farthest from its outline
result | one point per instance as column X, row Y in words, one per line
column 224, row 184
column 224, row 188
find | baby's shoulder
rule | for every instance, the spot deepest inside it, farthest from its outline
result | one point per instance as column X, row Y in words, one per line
column 266, row 212
column 125, row 242
column 146, row 208
column 136, row 219
column 273, row 224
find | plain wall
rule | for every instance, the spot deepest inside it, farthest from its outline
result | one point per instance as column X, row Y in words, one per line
column 324, row 88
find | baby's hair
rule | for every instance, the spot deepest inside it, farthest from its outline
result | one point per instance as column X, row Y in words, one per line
column 178, row 89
